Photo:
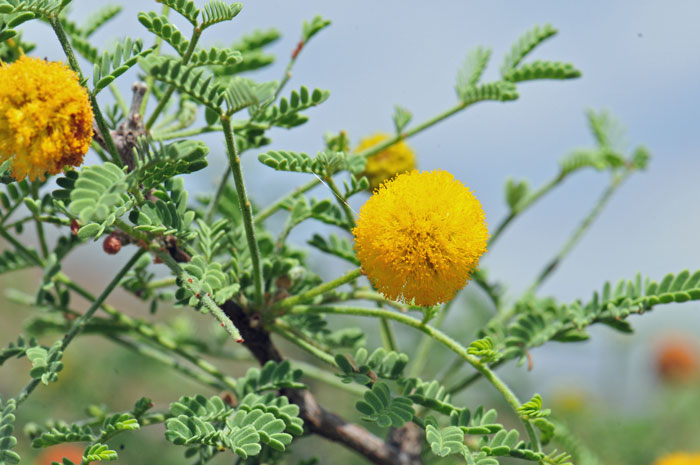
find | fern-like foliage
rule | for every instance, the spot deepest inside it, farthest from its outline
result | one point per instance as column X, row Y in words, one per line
column 156, row 164
column 485, row 349
column 271, row 377
column 195, row 83
column 18, row 349
column 365, row 368
column 501, row 91
column 334, row 245
column 205, row 278
column 99, row 453
column 17, row 12
column 324, row 164
column 541, row 320
column 401, row 118
column 217, row 11
column 240, row 93
column 98, row 197
column 473, row 67
column 379, row 406
column 113, row 64
column 259, row 420
column 186, row 8
column 278, row 406
column 286, row 113
column 481, row 422
column 542, row 70
column 12, row 261
column 163, row 28
column 61, row 433
column 46, row 363
column 7, row 426
column 524, row 45
column 99, row 18
column 533, row 408
column 445, row 441
column 430, row 394
column 215, row 56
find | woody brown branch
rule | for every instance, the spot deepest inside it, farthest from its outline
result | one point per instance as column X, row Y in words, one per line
column 404, row 444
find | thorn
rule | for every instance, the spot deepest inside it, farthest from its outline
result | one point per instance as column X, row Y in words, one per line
column 530, row 362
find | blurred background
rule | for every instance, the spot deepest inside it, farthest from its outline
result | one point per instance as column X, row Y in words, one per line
column 630, row 398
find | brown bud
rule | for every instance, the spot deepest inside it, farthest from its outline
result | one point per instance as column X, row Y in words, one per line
column 112, row 244
column 74, row 227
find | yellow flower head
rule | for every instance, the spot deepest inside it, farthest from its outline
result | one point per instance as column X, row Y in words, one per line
column 679, row 458
column 398, row 158
column 45, row 117
column 420, row 236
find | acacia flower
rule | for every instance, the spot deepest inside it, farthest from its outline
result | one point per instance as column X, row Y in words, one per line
column 679, row 458
column 395, row 159
column 420, row 236
column 45, row 117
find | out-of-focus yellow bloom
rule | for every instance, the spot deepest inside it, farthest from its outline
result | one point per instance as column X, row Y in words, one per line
column 420, row 236
column 395, row 159
column 45, row 117
column 679, row 458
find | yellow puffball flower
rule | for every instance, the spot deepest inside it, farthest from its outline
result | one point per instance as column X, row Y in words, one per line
column 395, row 159
column 679, row 458
column 45, row 117
column 420, row 236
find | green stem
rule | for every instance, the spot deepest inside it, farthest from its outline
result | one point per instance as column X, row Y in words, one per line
column 148, row 332
column 387, row 335
column 185, row 133
column 525, row 204
column 9, row 212
column 287, row 332
column 246, row 208
column 73, row 62
column 196, row 34
column 580, row 231
column 211, row 208
column 271, row 209
column 349, row 214
column 99, row 150
column 184, row 279
column 366, row 153
column 119, row 99
column 80, row 323
column 169, row 361
column 160, row 283
column 28, row 254
column 39, row 226
column 321, row 289
column 150, row 80
column 439, row 336
column 426, row 343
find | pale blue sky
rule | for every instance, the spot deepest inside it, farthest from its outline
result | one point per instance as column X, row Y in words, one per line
column 639, row 59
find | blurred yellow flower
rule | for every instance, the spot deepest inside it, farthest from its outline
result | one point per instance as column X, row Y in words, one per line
column 420, row 236
column 679, row 458
column 395, row 159
column 45, row 117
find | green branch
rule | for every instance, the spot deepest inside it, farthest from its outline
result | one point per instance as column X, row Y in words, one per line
column 439, row 336
column 80, row 323
column 321, row 289
column 246, row 209
column 525, row 204
column 588, row 220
